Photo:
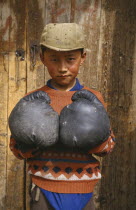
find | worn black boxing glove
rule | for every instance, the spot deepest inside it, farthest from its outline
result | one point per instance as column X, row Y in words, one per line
column 84, row 123
column 33, row 122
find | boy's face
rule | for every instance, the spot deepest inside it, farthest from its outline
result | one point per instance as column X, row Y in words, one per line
column 63, row 67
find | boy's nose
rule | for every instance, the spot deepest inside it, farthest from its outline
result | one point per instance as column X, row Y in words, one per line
column 63, row 67
column 63, row 70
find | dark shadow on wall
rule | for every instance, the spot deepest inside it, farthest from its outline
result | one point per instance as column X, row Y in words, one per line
column 118, row 185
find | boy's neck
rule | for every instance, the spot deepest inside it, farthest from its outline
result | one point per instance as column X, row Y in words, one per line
column 63, row 87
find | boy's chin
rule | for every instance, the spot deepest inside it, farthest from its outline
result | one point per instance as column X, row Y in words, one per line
column 64, row 84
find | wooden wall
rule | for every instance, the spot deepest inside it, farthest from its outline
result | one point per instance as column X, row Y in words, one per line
column 110, row 26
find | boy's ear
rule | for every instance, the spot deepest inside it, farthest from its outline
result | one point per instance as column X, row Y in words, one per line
column 83, row 57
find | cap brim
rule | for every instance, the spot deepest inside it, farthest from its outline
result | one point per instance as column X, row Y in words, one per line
column 61, row 49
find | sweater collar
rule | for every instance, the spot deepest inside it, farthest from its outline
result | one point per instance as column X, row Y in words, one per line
column 76, row 87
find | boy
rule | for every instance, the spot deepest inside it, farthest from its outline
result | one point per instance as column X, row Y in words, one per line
column 63, row 179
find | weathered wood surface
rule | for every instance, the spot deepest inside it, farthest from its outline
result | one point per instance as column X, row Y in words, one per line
column 118, row 185
column 110, row 26
column 13, row 87
column 3, row 110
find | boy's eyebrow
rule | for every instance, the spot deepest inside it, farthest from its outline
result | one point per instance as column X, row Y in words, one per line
column 52, row 55
column 70, row 54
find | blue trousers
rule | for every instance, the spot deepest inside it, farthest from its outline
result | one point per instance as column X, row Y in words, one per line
column 60, row 201
column 73, row 201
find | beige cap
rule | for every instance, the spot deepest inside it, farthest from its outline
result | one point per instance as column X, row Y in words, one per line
column 63, row 36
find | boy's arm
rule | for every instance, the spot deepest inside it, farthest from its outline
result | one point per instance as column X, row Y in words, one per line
column 20, row 154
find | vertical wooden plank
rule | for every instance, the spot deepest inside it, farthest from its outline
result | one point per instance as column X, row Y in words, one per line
column 35, row 69
column 131, row 187
column 3, row 107
column 5, row 21
column 87, row 14
column 116, row 63
column 3, row 126
column 57, row 11
column 17, row 89
column 104, row 62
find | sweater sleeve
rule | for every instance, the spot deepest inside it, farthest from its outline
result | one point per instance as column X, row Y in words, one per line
column 22, row 155
column 107, row 146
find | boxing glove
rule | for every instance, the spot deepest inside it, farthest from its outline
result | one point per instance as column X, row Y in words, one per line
column 84, row 123
column 25, row 147
column 33, row 122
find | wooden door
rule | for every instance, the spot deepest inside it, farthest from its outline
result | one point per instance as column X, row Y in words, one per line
column 110, row 27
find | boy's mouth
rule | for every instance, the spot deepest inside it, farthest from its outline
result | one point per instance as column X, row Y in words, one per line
column 64, row 76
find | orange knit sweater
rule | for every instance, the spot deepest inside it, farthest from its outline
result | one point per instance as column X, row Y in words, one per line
column 64, row 171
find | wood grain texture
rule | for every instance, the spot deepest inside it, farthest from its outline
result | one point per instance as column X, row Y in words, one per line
column 3, row 126
column 5, row 20
column 35, row 69
column 16, row 83
column 117, row 66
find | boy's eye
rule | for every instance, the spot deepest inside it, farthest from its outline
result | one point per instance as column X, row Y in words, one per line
column 54, row 59
column 71, row 59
